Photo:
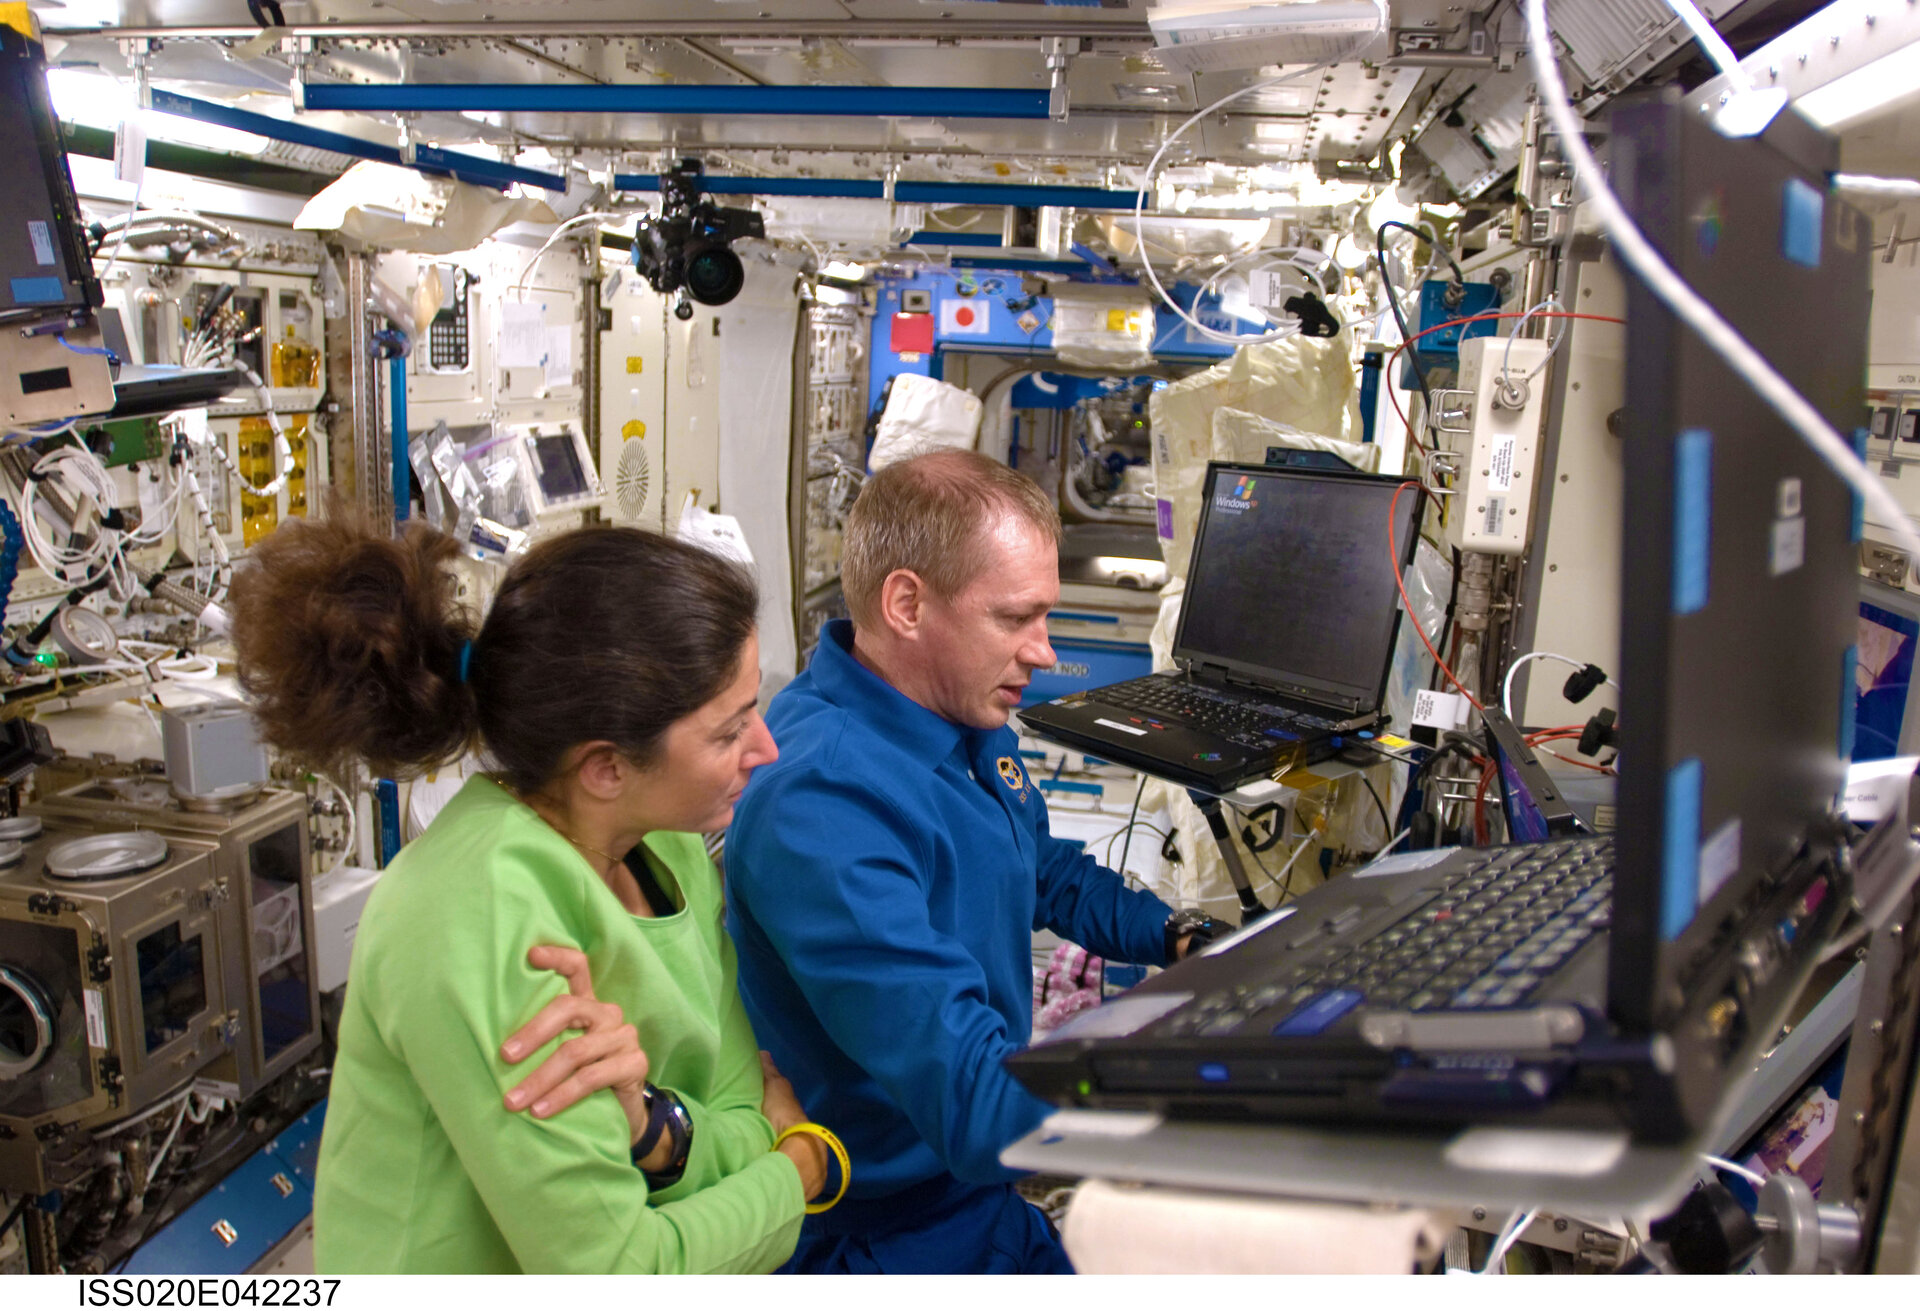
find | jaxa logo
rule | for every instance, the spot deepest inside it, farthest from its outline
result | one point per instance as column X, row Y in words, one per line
column 1014, row 777
column 1239, row 499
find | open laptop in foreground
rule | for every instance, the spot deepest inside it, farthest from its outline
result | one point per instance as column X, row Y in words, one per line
column 1599, row 980
column 1285, row 639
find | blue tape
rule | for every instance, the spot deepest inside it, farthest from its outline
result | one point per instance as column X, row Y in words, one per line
column 1317, row 1015
column 1692, row 519
column 38, row 291
column 1680, row 849
column 1801, row 223
column 1849, row 699
column 1859, row 503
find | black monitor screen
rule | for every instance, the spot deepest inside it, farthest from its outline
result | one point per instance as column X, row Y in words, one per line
column 1291, row 578
column 43, row 270
column 556, row 462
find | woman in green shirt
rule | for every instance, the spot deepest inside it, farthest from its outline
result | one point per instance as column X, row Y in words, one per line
column 493, row 1108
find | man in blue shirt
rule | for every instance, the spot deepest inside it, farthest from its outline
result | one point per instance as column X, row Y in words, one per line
column 885, row 875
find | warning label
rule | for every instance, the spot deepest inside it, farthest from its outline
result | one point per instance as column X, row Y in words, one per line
column 1500, row 471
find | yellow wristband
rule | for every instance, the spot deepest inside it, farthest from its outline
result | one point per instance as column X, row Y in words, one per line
column 839, row 1151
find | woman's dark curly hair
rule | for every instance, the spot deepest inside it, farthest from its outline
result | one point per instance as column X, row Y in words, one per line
column 350, row 640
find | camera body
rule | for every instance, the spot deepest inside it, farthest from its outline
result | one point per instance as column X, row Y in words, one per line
column 687, row 246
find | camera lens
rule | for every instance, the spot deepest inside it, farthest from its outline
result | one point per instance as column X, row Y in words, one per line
column 714, row 275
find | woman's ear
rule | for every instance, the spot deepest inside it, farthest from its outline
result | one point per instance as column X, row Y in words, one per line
column 601, row 770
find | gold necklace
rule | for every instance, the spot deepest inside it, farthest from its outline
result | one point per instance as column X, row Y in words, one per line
column 613, row 862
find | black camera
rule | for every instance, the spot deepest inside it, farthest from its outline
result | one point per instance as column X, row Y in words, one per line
column 687, row 245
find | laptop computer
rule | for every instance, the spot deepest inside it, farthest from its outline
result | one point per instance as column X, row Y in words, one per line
column 1599, row 980
column 1285, row 639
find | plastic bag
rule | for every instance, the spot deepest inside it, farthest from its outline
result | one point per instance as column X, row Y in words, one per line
column 1303, row 383
column 924, row 414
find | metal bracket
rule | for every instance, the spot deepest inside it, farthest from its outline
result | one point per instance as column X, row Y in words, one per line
column 1058, row 50
column 138, row 52
column 299, row 53
column 1435, row 464
column 1451, row 403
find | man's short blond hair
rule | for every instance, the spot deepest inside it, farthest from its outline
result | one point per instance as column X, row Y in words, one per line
column 930, row 514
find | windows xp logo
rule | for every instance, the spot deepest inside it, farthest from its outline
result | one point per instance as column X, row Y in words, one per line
column 1240, row 498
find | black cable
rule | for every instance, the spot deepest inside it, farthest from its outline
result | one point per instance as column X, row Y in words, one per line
column 1446, row 622
column 1132, row 815
column 1379, row 805
column 1393, row 298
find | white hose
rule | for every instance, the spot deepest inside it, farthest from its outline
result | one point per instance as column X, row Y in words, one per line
column 1638, row 254
column 1153, row 167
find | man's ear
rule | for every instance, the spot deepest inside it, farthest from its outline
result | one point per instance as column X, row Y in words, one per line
column 903, row 603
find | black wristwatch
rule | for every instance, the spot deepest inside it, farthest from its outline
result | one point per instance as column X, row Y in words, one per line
column 666, row 1114
column 1204, row 928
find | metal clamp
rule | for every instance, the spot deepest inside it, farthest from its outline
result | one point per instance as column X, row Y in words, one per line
column 1435, row 464
column 1451, row 403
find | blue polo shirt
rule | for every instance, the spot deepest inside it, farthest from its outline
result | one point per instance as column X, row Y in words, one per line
column 883, row 879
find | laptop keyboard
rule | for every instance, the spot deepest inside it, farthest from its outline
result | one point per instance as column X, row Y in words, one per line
column 1492, row 936
column 1230, row 714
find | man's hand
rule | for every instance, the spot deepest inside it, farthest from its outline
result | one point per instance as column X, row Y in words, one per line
column 607, row 1054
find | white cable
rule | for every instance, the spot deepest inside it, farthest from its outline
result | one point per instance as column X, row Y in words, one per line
column 1153, row 167
column 594, row 216
column 133, row 209
column 1639, row 255
column 1506, row 685
column 279, row 440
column 85, row 478
column 1864, row 182
column 1753, row 1177
column 1279, row 880
column 1553, row 346
column 353, row 835
column 160, row 1157
column 1712, row 42
column 1508, row 1237
column 222, row 560
column 188, row 668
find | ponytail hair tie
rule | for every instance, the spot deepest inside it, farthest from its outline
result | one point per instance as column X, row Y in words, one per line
column 466, row 661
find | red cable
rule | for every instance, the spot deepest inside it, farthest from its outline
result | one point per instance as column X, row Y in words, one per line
column 1393, row 551
column 1387, row 374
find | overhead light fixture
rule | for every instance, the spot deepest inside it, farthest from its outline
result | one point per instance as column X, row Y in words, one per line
column 1866, row 90
column 1134, row 93
column 1280, row 131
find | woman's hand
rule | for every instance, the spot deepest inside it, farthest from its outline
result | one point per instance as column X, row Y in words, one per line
column 777, row 1102
column 783, row 1111
column 606, row 1055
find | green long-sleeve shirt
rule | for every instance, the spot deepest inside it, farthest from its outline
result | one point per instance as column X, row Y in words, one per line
column 422, row 1169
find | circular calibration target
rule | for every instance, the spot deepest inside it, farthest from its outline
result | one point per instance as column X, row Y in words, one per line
column 26, row 1023
column 86, row 636
column 107, row 856
column 21, row 828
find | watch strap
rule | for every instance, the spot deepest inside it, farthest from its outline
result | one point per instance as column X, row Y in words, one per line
column 657, row 1122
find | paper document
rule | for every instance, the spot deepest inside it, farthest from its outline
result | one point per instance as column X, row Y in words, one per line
column 523, row 335
column 559, row 355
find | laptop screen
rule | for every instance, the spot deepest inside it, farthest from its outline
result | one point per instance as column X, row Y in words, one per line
column 1291, row 582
